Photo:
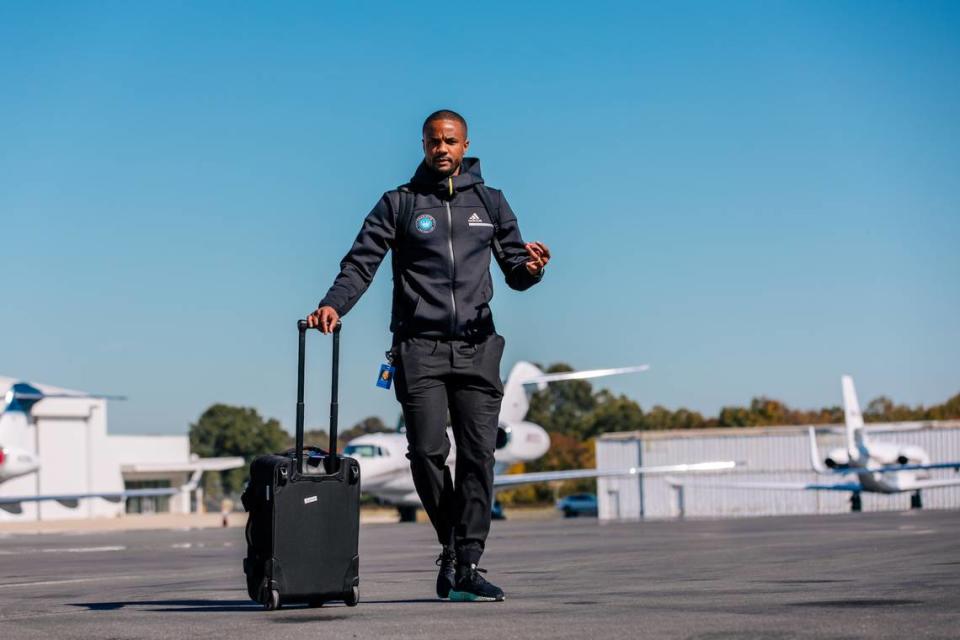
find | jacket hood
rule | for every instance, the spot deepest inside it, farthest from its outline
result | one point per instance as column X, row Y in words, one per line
column 426, row 180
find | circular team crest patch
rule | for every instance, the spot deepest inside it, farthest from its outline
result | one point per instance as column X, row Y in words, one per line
column 425, row 223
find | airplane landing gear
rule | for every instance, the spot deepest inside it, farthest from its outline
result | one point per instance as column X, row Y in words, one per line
column 856, row 503
column 407, row 514
column 916, row 502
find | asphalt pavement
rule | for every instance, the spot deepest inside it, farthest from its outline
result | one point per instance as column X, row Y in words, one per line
column 881, row 575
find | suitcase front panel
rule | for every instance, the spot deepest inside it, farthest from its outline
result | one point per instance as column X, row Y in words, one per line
column 316, row 528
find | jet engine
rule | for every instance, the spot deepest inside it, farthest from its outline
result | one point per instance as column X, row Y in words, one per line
column 16, row 462
column 837, row 459
column 912, row 454
column 521, row 441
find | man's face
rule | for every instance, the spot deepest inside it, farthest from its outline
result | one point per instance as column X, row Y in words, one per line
column 444, row 143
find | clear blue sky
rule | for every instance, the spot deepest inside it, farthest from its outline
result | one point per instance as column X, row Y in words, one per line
column 754, row 198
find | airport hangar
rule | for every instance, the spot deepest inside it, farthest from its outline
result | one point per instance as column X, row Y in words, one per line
column 78, row 455
column 769, row 454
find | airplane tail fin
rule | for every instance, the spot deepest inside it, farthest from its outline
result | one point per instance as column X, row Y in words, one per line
column 515, row 402
column 815, row 461
column 852, row 418
column 14, row 430
column 15, row 417
column 19, row 401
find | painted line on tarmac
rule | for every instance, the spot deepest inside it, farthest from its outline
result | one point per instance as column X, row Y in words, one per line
column 84, row 549
column 152, row 577
column 20, row 552
column 113, row 548
column 46, row 583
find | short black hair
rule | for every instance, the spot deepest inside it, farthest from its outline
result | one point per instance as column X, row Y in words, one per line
column 445, row 114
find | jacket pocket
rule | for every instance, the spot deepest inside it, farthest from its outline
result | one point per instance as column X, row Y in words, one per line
column 410, row 308
column 416, row 308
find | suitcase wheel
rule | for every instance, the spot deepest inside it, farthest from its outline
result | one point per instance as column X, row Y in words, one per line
column 272, row 601
column 352, row 597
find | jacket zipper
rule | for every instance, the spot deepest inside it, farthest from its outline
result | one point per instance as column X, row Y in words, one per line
column 453, row 267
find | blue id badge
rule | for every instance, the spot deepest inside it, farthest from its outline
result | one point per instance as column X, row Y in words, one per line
column 386, row 376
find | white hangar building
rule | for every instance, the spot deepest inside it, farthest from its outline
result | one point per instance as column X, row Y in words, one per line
column 77, row 455
column 770, row 454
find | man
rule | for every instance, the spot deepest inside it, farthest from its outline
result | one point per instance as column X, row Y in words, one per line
column 442, row 227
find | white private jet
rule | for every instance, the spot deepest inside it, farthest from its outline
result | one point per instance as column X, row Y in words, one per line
column 866, row 465
column 18, row 459
column 385, row 471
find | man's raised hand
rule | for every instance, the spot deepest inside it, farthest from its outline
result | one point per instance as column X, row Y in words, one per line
column 324, row 318
column 539, row 256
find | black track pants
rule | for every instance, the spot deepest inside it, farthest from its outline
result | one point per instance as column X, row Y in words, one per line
column 464, row 377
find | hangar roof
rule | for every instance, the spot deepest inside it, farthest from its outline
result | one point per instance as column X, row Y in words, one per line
column 778, row 430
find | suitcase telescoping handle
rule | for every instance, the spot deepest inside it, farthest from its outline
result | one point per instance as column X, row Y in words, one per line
column 331, row 463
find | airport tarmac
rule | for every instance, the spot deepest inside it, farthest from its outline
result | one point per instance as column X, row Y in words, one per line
column 879, row 575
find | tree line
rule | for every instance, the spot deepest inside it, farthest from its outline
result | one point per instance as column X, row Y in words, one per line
column 225, row 430
column 573, row 413
column 574, row 408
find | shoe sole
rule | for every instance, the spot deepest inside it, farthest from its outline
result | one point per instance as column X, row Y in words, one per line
column 465, row 596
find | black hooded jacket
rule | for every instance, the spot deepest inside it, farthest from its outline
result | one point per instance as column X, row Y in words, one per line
column 441, row 259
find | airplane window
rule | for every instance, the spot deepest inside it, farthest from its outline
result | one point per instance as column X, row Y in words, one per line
column 361, row 451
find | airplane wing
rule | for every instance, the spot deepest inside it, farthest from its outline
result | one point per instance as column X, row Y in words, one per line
column 583, row 375
column 933, row 484
column 788, row 486
column 918, row 467
column 880, row 427
column 893, row 468
column 895, row 427
column 514, row 479
column 807, row 486
column 70, row 499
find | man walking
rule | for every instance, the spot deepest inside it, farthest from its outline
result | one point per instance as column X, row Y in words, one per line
column 442, row 227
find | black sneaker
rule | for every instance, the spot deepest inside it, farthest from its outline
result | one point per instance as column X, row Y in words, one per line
column 447, row 561
column 472, row 587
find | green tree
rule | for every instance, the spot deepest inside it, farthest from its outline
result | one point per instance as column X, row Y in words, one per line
column 949, row 410
column 321, row 438
column 686, row 419
column 612, row 413
column 371, row 424
column 563, row 407
column 311, row 437
column 883, row 409
column 767, row 411
column 878, row 409
column 658, row 418
column 224, row 430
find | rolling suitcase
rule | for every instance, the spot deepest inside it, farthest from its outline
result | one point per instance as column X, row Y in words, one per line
column 304, row 515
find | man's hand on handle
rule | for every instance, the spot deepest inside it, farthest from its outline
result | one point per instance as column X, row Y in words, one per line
column 324, row 318
column 539, row 257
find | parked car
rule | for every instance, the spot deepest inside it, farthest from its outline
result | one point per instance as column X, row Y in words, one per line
column 578, row 504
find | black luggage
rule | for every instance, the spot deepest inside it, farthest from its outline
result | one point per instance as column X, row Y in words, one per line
column 304, row 519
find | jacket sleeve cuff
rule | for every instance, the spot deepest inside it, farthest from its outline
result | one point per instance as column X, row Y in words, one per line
column 520, row 279
column 327, row 303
